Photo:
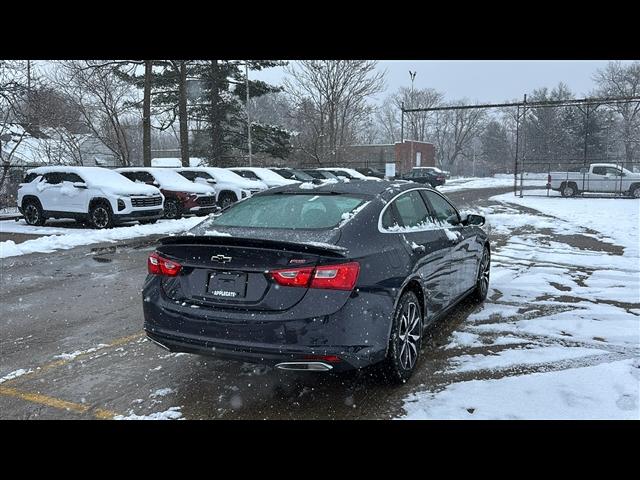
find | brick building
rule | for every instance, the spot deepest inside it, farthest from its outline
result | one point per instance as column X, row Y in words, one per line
column 405, row 155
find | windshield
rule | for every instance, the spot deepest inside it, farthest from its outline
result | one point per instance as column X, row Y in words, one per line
column 291, row 211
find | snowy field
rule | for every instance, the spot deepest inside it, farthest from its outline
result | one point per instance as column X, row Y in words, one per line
column 61, row 238
column 497, row 181
column 559, row 336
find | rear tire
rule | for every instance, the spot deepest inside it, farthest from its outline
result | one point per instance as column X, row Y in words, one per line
column 482, row 279
column 569, row 190
column 100, row 215
column 405, row 341
column 33, row 213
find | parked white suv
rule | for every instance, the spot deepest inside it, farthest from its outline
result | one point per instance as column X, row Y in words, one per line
column 230, row 187
column 97, row 196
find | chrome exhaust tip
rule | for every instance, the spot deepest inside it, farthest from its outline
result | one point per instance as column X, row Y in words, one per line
column 159, row 344
column 305, row 366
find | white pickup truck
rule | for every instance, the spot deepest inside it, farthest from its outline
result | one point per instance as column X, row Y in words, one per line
column 597, row 177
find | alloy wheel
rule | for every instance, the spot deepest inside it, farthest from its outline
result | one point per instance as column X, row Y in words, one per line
column 409, row 334
column 171, row 210
column 568, row 191
column 31, row 214
column 483, row 274
column 100, row 217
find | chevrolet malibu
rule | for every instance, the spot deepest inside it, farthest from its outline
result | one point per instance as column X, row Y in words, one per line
column 337, row 277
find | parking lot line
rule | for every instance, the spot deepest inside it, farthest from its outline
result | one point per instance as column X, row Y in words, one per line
column 38, row 398
column 58, row 363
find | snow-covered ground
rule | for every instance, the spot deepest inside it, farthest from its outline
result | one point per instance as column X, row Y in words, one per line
column 60, row 238
column 559, row 336
column 497, row 181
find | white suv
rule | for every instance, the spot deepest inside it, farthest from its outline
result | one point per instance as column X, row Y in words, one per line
column 230, row 187
column 98, row 196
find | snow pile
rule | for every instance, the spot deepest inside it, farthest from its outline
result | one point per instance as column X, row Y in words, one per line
column 15, row 374
column 76, row 237
column 601, row 391
column 558, row 336
column 616, row 218
column 172, row 413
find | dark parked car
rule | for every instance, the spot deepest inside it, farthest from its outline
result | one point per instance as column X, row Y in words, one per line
column 426, row 175
column 338, row 277
column 370, row 172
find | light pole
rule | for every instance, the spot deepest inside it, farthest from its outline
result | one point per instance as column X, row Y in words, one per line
column 246, row 84
column 412, row 75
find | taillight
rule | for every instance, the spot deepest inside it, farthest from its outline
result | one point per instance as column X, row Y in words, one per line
column 158, row 265
column 335, row 277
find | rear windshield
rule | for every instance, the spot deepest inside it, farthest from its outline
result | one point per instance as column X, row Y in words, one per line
column 291, row 211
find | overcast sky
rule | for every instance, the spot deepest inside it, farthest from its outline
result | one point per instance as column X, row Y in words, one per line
column 480, row 80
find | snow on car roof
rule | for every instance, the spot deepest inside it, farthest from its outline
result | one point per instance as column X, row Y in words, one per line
column 169, row 179
column 98, row 177
column 350, row 171
column 263, row 173
column 220, row 173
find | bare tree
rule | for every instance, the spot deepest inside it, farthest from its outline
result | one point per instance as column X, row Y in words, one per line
column 454, row 131
column 105, row 101
column 330, row 98
column 619, row 80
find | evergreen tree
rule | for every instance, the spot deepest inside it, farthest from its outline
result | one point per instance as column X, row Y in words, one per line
column 221, row 112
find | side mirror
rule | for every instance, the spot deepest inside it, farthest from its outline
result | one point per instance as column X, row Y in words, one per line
column 155, row 184
column 211, row 180
column 80, row 185
column 473, row 219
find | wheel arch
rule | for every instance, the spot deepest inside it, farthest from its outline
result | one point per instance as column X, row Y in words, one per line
column 98, row 200
column 30, row 197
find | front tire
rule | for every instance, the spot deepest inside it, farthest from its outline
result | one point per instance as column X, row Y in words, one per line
column 101, row 216
column 405, row 341
column 634, row 192
column 33, row 213
column 482, row 280
column 172, row 210
column 227, row 199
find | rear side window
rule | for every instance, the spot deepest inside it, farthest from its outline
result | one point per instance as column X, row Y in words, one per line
column 411, row 209
column 72, row 177
column 293, row 211
column 600, row 170
column 30, row 177
column 53, row 178
column 188, row 175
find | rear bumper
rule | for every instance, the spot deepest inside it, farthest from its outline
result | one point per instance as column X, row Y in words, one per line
column 254, row 354
column 357, row 333
column 138, row 215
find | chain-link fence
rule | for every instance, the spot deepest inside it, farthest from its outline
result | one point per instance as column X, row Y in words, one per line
column 592, row 144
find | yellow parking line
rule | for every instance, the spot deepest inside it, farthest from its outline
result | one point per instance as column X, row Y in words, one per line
column 58, row 363
column 55, row 402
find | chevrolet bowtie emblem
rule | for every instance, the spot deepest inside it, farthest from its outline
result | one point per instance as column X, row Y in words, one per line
column 220, row 258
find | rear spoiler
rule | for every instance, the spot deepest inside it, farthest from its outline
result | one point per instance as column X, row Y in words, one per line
column 316, row 248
